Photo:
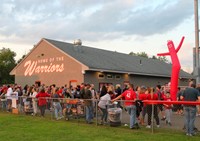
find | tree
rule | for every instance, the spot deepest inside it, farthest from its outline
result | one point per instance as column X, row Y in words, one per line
column 143, row 54
column 132, row 53
column 163, row 58
column 7, row 63
column 154, row 57
column 21, row 59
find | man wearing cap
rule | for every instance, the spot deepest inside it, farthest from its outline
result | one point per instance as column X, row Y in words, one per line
column 190, row 94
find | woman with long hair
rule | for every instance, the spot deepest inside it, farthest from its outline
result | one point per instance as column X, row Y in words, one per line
column 152, row 96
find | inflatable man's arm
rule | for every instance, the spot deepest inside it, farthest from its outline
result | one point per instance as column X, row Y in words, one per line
column 179, row 46
column 163, row 54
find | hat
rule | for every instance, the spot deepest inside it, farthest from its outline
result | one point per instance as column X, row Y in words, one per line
column 143, row 87
column 88, row 85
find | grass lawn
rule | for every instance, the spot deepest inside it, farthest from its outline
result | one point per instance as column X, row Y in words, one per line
column 28, row 128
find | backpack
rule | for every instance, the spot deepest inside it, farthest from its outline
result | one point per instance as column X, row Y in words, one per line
column 77, row 94
column 160, row 95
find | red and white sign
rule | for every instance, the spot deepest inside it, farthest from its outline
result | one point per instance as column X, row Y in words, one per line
column 44, row 66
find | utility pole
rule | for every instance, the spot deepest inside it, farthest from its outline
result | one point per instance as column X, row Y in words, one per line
column 196, row 22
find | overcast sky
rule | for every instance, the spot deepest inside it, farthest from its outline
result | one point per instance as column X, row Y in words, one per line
column 117, row 25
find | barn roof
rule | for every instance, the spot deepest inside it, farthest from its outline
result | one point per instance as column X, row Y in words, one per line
column 104, row 60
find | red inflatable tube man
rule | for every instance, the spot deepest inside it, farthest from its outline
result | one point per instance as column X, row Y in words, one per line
column 175, row 66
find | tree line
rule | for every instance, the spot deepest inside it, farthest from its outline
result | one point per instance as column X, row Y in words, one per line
column 145, row 55
column 7, row 63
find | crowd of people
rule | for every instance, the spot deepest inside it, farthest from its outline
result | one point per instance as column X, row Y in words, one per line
column 129, row 98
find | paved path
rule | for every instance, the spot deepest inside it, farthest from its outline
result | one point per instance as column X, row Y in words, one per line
column 177, row 121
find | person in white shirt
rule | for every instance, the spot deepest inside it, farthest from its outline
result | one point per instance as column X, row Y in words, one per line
column 9, row 98
column 104, row 101
column 34, row 100
column 14, row 97
column 94, row 97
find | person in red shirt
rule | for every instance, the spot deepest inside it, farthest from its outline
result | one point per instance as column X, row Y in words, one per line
column 4, row 88
column 142, row 108
column 42, row 101
column 130, row 98
column 61, row 96
column 152, row 96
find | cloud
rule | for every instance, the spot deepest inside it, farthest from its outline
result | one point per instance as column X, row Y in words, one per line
column 93, row 20
column 186, row 56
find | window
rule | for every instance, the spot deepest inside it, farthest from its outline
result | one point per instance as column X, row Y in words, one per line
column 109, row 76
column 117, row 77
column 101, row 76
column 105, row 84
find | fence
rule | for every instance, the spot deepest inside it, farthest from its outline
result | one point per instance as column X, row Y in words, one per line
column 74, row 110
column 177, row 119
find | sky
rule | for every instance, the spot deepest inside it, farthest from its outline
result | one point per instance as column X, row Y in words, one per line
column 118, row 25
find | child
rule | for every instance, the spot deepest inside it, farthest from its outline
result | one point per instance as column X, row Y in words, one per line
column 168, row 109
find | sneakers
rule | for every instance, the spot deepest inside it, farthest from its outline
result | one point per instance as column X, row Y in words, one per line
column 190, row 134
column 58, row 118
column 148, row 126
column 163, row 118
column 101, row 122
column 137, row 126
column 105, row 123
column 169, row 123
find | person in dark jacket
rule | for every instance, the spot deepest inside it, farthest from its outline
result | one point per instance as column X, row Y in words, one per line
column 87, row 95
column 190, row 94
column 118, row 91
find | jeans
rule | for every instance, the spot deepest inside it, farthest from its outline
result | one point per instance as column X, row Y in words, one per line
column 88, row 113
column 168, row 113
column 132, row 112
column 57, row 109
column 105, row 115
column 190, row 115
column 4, row 105
column 9, row 105
column 42, row 109
column 68, row 108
